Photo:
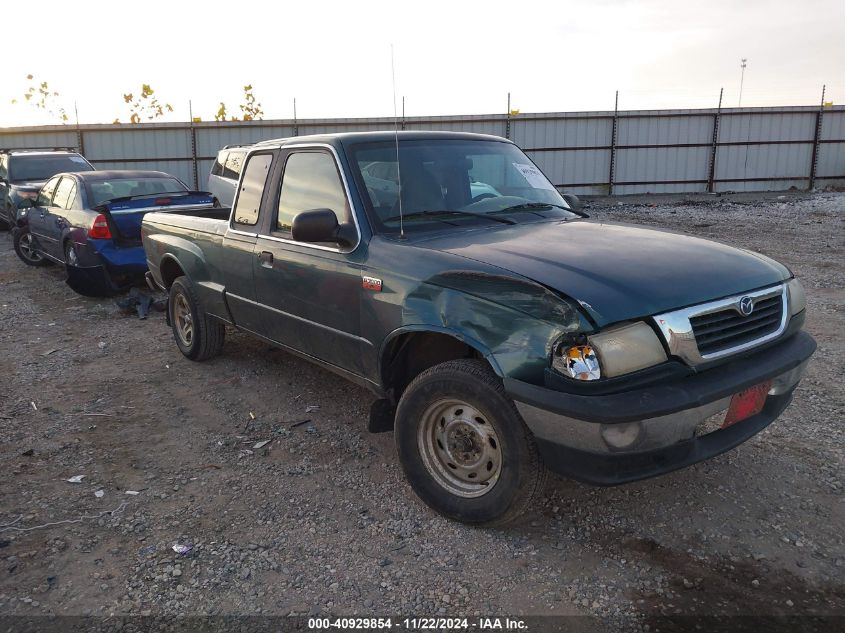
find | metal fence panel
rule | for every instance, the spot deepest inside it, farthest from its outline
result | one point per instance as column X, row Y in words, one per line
column 655, row 164
column 769, row 162
column 759, row 126
column 137, row 144
column 830, row 161
column 50, row 138
column 668, row 130
column 587, row 168
column 182, row 169
column 654, row 151
column 567, row 132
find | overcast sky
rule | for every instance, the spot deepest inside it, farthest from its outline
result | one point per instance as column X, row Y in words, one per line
column 451, row 57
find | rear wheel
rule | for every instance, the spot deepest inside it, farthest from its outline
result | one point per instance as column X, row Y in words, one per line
column 25, row 248
column 197, row 335
column 464, row 447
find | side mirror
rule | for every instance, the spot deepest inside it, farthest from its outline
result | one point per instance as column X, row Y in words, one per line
column 572, row 200
column 26, row 203
column 320, row 225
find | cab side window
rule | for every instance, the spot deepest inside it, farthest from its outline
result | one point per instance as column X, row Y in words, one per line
column 248, row 202
column 45, row 196
column 311, row 181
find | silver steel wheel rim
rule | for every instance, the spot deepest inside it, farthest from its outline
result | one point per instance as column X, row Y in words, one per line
column 183, row 320
column 25, row 246
column 460, row 448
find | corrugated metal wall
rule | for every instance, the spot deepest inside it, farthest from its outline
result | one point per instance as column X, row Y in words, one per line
column 660, row 151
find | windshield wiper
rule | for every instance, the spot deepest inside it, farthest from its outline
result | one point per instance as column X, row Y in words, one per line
column 541, row 205
column 418, row 214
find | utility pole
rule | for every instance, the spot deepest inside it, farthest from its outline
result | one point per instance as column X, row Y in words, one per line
column 742, row 80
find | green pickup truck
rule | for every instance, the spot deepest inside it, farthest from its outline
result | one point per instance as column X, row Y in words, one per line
column 502, row 332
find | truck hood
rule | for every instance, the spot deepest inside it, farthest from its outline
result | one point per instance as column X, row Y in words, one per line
column 617, row 271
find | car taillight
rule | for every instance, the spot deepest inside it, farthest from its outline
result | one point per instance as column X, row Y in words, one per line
column 100, row 229
column 163, row 201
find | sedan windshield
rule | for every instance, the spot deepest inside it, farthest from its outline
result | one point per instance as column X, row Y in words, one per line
column 42, row 167
column 100, row 191
column 453, row 182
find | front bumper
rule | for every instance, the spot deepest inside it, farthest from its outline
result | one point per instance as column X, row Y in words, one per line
column 570, row 429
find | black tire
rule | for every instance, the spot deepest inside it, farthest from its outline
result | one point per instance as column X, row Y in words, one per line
column 206, row 333
column 21, row 239
column 521, row 474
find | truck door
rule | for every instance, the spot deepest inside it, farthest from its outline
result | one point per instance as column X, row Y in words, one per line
column 310, row 293
column 237, row 253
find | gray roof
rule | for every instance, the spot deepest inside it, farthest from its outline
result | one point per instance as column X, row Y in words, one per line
column 344, row 138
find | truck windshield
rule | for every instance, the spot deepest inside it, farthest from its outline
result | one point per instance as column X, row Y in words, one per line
column 455, row 182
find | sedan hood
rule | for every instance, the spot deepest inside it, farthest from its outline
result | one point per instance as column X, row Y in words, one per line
column 617, row 271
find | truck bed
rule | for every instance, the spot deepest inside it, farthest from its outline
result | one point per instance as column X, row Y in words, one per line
column 214, row 220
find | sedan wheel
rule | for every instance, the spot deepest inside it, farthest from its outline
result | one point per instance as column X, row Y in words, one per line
column 26, row 250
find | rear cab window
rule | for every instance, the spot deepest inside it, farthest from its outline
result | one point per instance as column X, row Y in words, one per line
column 248, row 202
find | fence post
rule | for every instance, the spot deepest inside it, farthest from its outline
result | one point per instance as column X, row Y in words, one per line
column 80, row 140
column 711, row 176
column 295, row 123
column 816, row 138
column 613, row 131
column 193, row 146
column 508, row 119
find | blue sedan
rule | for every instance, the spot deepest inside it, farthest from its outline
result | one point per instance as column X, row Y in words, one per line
column 91, row 223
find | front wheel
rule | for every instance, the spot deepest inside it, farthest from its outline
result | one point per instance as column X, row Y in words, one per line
column 197, row 335
column 464, row 447
column 25, row 248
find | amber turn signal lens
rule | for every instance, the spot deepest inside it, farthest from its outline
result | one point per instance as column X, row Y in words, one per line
column 578, row 362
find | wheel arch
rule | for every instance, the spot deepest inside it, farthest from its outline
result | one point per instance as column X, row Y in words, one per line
column 170, row 269
column 410, row 350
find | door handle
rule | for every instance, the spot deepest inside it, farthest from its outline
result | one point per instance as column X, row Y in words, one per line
column 266, row 258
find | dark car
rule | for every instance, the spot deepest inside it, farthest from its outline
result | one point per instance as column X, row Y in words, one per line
column 91, row 223
column 24, row 171
column 503, row 332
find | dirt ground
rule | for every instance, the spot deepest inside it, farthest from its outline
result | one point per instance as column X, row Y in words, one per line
column 320, row 521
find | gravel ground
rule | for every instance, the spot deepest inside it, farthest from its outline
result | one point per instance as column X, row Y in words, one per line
column 320, row 521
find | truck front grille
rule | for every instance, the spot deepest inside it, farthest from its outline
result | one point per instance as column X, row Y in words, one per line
column 718, row 331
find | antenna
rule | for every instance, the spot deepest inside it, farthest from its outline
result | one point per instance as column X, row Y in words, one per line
column 396, row 122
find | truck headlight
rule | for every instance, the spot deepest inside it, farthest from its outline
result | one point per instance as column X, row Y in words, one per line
column 614, row 352
column 797, row 298
column 577, row 361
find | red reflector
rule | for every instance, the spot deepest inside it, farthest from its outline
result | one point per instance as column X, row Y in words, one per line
column 747, row 403
column 100, row 229
column 163, row 200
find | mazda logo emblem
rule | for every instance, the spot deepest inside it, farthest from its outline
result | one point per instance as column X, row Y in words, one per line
column 746, row 306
